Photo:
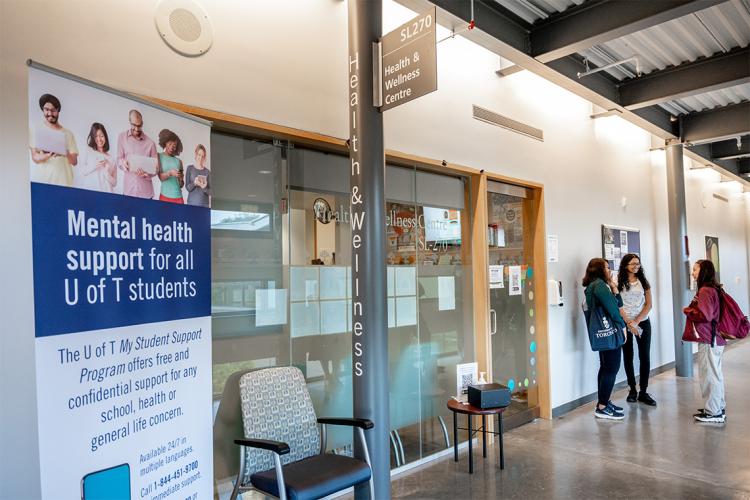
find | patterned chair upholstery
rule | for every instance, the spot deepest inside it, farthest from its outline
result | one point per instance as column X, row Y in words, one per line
column 282, row 454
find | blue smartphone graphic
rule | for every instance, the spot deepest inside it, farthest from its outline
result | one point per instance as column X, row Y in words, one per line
column 107, row 484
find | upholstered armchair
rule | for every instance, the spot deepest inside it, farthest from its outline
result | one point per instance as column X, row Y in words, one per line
column 283, row 451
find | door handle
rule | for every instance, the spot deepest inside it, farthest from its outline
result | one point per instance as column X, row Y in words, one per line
column 493, row 322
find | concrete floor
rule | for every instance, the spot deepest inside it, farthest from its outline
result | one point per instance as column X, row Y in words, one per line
column 654, row 453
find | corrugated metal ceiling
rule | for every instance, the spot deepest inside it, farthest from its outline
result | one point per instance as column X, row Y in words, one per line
column 532, row 11
column 709, row 100
column 714, row 30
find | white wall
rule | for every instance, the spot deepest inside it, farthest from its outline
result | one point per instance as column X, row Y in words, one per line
column 588, row 167
column 285, row 62
column 711, row 216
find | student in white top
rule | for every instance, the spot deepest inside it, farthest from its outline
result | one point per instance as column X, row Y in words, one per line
column 98, row 173
column 635, row 292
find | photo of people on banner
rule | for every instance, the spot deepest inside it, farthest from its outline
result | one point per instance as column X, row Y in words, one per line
column 82, row 145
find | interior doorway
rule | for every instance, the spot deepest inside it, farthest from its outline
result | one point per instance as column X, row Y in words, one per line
column 513, row 296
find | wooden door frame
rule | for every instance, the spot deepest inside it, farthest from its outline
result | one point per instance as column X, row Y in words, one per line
column 481, row 285
column 477, row 202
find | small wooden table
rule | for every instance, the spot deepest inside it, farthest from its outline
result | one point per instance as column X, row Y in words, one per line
column 470, row 411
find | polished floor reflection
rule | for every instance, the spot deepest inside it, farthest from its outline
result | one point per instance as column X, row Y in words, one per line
column 655, row 453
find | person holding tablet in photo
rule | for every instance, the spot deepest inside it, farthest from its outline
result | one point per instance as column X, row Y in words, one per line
column 136, row 157
column 53, row 147
column 98, row 173
column 635, row 292
column 197, row 180
column 170, row 169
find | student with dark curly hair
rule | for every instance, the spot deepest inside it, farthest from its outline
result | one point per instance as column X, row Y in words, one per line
column 635, row 292
column 170, row 167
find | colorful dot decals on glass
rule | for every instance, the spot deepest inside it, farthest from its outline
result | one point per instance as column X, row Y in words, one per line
column 511, row 384
column 532, row 347
column 529, row 272
column 532, row 361
column 531, row 295
column 532, row 330
column 531, row 313
column 525, row 382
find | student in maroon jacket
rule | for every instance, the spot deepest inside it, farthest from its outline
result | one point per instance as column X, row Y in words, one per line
column 702, row 317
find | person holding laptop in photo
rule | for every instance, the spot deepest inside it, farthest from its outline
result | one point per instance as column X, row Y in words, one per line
column 197, row 180
column 134, row 149
column 53, row 147
column 99, row 172
column 170, row 169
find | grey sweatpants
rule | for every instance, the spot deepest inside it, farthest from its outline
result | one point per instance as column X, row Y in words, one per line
column 711, row 378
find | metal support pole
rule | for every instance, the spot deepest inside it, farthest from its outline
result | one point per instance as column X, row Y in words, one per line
column 369, row 307
column 679, row 251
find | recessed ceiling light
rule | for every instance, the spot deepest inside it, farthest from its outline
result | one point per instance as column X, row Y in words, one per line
column 252, row 195
column 264, row 172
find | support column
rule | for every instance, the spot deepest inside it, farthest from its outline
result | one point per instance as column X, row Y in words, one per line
column 683, row 353
column 369, row 307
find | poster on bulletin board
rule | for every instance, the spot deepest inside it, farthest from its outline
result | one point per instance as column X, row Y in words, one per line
column 618, row 242
column 712, row 253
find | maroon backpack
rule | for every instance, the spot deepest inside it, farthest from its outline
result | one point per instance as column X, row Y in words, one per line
column 732, row 323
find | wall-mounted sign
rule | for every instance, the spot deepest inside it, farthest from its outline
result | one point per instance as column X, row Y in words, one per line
column 409, row 61
column 553, row 248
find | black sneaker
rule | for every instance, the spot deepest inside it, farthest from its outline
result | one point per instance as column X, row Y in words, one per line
column 645, row 398
column 632, row 396
column 608, row 413
column 708, row 418
column 614, row 406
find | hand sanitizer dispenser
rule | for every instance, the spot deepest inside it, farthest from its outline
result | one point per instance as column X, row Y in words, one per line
column 554, row 293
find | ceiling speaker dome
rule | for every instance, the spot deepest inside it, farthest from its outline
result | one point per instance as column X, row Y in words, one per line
column 184, row 26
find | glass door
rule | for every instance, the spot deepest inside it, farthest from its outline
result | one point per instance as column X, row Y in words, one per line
column 511, row 295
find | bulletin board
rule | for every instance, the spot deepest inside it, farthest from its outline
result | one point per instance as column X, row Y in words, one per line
column 618, row 241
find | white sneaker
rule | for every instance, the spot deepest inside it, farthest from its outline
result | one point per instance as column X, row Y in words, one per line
column 713, row 419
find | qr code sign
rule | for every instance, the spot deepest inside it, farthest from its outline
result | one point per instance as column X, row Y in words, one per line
column 466, row 381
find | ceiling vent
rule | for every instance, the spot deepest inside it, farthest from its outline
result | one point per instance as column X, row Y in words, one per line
column 487, row 116
column 184, row 26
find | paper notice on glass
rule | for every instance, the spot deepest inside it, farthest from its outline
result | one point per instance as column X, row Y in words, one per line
column 616, row 254
column 446, row 293
column 609, row 251
column 624, row 242
column 496, row 276
column 270, row 307
column 466, row 374
column 311, row 290
column 552, row 248
column 514, row 280
column 500, row 237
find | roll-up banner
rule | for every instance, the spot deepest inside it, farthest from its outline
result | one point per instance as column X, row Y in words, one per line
column 120, row 200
